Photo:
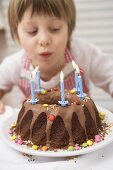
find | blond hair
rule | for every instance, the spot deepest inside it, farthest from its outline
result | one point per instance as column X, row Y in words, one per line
column 63, row 9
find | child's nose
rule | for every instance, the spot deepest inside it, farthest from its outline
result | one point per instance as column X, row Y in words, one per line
column 44, row 41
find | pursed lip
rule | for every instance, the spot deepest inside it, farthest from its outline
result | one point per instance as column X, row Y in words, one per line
column 45, row 54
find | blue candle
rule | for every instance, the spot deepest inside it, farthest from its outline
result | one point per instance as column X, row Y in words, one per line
column 38, row 81
column 36, row 74
column 62, row 88
column 62, row 102
column 32, row 85
column 81, row 88
column 76, row 82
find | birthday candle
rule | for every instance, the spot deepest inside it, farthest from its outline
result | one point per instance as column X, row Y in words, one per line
column 38, row 80
column 62, row 87
column 76, row 75
column 81, row 88
column 36, row 74
column 32, row 85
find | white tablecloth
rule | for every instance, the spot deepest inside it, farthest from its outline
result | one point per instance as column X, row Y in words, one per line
column 11, row 159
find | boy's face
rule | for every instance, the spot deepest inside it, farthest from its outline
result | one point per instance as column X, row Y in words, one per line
column 44, row 38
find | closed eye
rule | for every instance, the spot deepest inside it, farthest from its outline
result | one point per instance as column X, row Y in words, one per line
column 32, row 32
column 55, row 29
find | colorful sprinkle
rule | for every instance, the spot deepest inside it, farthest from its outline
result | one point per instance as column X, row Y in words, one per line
column 43, row 91
column 84, row 145
column 44, row 148
column 70, row 148
column 98, row 138
column 13, row 137
column 45, row 105
column 20, row 142
column 89, row 142
column 102, row 115
column 72, row 91
column 51, row 117
column 77, row 147
column 35, row 147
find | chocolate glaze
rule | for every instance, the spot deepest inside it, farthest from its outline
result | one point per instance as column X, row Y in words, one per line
column 73, row 124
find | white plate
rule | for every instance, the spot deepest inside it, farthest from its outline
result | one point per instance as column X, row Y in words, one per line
column 6, row 137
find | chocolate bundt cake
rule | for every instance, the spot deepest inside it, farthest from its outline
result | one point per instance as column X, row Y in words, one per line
column 48, row 123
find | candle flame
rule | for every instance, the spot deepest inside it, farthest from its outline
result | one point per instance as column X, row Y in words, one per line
column 33, row 74
column 75, row 66
column 61, row 75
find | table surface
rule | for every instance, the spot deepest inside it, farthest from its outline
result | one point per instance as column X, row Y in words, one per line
column 11, row 159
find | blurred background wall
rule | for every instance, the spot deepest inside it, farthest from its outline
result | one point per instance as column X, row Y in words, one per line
column 94, row 22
